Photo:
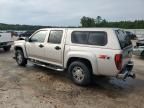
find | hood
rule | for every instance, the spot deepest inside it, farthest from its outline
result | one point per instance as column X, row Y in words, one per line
column 19, row 41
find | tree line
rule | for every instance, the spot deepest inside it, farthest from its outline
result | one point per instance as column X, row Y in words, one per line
column 84, row 21
column 27, row 27
column 100, row 22
column 21, row 27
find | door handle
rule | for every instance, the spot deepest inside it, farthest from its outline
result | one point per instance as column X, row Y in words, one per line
column 57, row 48
column 41, row 46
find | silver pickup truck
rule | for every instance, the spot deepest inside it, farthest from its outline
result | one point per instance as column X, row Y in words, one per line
column 83, row 52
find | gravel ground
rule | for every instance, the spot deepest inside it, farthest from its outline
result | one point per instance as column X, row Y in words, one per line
column 37, row 87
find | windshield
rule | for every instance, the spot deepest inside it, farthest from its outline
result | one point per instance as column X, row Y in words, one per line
column 124, row 39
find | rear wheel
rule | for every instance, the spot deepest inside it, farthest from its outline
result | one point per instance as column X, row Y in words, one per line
column 21, row 61
column 79, row 73
column 7, row 48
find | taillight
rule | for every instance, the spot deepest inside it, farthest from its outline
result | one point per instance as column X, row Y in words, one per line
column 118, row 61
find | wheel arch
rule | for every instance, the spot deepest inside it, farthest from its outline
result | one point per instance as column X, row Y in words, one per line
column 22, row 49
column 87, row 57
column 84, row 60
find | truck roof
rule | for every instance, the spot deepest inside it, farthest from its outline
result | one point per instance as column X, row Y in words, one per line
column 82, row 28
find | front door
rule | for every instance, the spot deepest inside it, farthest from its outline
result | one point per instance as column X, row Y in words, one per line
column 36, row 45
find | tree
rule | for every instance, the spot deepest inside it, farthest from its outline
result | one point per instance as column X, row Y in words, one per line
column 98, row 20
column 87, row 22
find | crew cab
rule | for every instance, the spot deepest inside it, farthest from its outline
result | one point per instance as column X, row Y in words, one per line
column 83, row 52
column 6, row 41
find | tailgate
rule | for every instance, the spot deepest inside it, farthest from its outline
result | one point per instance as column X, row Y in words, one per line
column 125, row 45
column 126, row 55
column 5, row 37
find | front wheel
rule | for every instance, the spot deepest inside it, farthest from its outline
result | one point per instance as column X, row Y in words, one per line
column 80, row 73
column 21, row 61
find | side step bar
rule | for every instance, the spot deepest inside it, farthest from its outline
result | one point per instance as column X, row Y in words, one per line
column 49, row 66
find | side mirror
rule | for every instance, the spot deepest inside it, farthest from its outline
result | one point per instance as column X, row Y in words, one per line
column 27, row 39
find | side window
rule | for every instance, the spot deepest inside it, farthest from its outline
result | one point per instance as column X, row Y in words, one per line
column 39, row 37
column 79, row 37
column 89, row 38
column 97, row 38
column 55, row 36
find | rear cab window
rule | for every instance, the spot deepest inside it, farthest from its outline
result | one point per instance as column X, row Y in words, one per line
column 55, row 36
column 89, row 37
column 124, row 39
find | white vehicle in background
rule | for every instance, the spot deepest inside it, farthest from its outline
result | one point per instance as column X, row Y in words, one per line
column 140, row 37
column 6, row 41
column 139, row 51
column 139, row 48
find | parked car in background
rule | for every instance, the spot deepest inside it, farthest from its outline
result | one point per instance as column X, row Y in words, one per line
column 131, row 35
column 140, row 37
column 84, row 52
column 140, row 43
column 13, row 33
column 139, row 48
column 139, row 51
column 24, row 35
column 6, row 41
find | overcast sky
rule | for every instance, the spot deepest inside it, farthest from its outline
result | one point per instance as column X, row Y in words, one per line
column 68, row 12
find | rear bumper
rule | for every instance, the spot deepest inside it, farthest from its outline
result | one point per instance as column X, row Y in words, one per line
column 127, row 72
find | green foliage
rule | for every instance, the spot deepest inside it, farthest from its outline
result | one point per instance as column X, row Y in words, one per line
column 99, row 22
column 87, row 22
column 20, row 27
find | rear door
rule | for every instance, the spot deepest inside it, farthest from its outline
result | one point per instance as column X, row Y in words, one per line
column 126, row 46
column 54, row 47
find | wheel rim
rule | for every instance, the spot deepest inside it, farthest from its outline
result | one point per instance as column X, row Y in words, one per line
column 78, row 73
column 19, row 58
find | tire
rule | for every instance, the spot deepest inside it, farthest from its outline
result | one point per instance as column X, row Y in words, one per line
column 21, row 61
column 79, row 73
column 7, row 48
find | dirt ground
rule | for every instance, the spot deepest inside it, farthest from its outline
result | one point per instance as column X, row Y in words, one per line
column 37, row 87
